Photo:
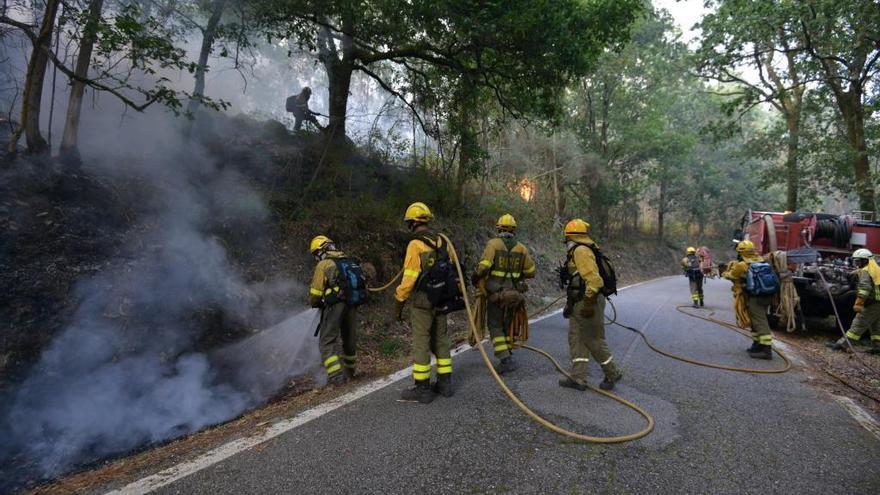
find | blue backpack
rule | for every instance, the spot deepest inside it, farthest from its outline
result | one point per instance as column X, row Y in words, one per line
column 761, row 280
column 351, row 281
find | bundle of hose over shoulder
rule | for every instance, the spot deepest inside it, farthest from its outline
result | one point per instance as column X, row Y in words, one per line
column 522, row 406
column 786, row 300
column 480, row 315
column 518, row 329
column 741, row 309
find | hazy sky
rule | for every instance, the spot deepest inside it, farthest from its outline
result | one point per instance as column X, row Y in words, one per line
column 686, row 13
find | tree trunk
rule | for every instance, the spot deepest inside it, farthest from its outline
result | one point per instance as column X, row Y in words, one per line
column 850, row 104
column 209, row 34
column 339, row 74
column 467, row 139
column 792, row 177
column 69, row 150
column 33, row 86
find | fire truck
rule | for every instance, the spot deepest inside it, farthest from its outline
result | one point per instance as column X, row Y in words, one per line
column 818, row 246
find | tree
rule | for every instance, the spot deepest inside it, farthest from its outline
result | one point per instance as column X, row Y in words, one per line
column 129, row 51
column 32, row 99
column 843, row 39
column 759, row 37
column 505, row 47
column 69, row 150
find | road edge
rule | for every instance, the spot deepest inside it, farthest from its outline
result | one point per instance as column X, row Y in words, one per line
column 179, row 471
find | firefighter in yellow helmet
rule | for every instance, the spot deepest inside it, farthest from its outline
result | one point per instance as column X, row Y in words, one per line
column 867, row 305
column 690, row 264
column 339, row 320
column 751, row 309
column 503, row 266
column 428, row 325
column 585, row 309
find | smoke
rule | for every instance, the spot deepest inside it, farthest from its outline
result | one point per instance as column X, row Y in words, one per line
column 130, row 367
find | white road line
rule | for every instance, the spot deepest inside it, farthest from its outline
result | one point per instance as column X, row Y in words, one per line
column 227, row 450
column 861, row 416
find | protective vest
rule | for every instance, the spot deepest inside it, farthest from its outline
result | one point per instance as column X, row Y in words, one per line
column 507, row 266
column 866, row 289
column 692, row 262
column 325, row 286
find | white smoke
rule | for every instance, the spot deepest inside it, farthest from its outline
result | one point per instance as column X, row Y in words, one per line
column 128, row 369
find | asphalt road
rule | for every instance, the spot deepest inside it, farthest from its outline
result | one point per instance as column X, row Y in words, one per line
column 716, row 431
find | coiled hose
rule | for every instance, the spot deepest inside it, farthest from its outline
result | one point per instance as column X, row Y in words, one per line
column 521, row 405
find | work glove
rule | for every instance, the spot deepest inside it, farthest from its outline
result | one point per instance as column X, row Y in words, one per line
column 397, row 313
column 588, row 309
column 522, row 287
column 475, row 279
column 859, row 305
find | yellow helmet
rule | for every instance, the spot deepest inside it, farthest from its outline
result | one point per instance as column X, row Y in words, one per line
column 577, row 227
column 319, row 243
column 418, row 212
column 506, row 222
column 745, row 246
column 692, row 250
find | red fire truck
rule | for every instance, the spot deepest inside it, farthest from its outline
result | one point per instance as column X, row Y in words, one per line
column 818, row 246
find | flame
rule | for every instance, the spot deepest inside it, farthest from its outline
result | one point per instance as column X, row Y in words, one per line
column 526, row 189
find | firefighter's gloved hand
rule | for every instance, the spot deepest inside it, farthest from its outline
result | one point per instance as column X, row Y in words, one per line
column 859, row 305
column 589, row 307
column 475, row 279
column 397, row 312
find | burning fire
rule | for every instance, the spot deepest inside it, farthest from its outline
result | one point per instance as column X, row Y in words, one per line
column 526, row 189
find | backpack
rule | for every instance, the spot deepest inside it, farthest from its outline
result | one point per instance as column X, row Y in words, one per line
column 290, row 104
column 440, row 281
column 351, row 281
column 761, row 280
column 606, row 270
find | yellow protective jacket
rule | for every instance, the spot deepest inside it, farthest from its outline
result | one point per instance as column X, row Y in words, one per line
column 869, row 282
column 504, row 267
column 736, row 271
column 583, row 268
column 418, row 253
column 686, row 263
column 324, row 279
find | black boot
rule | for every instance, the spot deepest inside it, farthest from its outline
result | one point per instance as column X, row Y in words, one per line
column 443, row 385
column 612, row 376
column 569, row 383
column 696, row 304
column 754, row 348
column 336, row 379
column 875, row 348
column 506, row 365
column 763, row 352
column 420, row 392
column 701, row 302
column 836, row 345
column 350, row 373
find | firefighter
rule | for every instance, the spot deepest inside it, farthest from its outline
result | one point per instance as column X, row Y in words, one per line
column 503, row 266
column 867, row 305
column 755, row 306
column 691, row 266
column 298, row 105
column 428, row 326
column 339, row 321
column 585, row 309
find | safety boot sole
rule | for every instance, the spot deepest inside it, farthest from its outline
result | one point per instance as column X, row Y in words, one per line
column 424, row 396
column 761, row 355
column 444, row 390
column 569, row 383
